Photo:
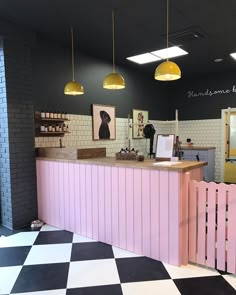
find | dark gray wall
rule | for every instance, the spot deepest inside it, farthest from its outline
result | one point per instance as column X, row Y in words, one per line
column 52, row 70
column 202, row 106
column 17, row 162
column 18, row 69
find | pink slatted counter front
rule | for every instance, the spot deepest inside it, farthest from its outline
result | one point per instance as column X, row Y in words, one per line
column 132, row 205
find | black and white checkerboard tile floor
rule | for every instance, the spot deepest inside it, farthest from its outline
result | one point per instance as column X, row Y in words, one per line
column 56, row 262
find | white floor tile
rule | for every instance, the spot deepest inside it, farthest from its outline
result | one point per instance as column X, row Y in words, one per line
column 47, row 227
column 162, row 287
column 8, row 276
column 189, row 271
column 20, row 239
column 92, row 273
column 120, row 253
column 2, row 238
column 41, row 254
column 50, row 292
column 231, row 279
column 81, row 239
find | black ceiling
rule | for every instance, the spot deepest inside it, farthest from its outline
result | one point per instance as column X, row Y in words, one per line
column 140, row 27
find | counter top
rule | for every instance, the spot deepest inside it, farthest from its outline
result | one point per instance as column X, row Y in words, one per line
column 182, row 166
column 193, row 147
column 71, row 153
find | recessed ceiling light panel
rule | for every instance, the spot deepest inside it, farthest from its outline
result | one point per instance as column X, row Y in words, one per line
column 169, row 52
column 144, row 58
column 218, row 60
column 233, row 55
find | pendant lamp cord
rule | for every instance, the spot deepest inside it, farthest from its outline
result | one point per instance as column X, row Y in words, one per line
column 113, row 41
column 167, row 27
column 72, row 54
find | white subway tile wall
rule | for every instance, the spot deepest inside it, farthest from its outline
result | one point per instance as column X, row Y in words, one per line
column 202, row 132
column 81, row 136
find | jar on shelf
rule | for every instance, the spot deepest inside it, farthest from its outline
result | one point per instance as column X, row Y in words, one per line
column 57, row 128
column 60, row 128
column 46, row 128
column 42, row 114
column 53, row 129
column 49, row 128
column 42, row 128
column 47, row 115
column 51, row 114
column 58, row 115
column 55, row 115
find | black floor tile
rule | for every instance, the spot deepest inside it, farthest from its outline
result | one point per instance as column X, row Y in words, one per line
column 42, row 277
column 99, row 290
column 4, row 231
column 223, row 272
column 140, row 269
column 215, row 285
column 13, row 256
column 54, row 237
column 91, row 251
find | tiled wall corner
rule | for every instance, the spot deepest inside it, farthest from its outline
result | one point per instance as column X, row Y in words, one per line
column 5, row 179
column 204, row 133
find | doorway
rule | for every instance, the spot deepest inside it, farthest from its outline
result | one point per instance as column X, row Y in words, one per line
column 229, row 145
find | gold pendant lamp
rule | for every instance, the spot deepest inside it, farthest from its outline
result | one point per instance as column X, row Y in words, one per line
column 168, row 70
column 73, row 87
column 114, row 80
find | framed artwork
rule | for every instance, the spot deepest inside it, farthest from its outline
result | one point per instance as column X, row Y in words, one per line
column 140, row 119
column 165, row 146
column 104, row 122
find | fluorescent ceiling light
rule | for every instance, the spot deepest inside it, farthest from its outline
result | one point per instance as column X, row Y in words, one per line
column 144, row 58
column 169, row 52
column 233, row 55
column 218, row 60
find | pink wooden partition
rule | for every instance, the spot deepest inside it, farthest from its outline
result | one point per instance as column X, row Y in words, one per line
column 212, row 220
column 140, row 210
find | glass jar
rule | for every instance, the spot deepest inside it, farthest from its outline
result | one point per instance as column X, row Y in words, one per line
column 42, row 114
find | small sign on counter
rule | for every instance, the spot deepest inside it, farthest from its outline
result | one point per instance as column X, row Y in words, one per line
column 165, row 145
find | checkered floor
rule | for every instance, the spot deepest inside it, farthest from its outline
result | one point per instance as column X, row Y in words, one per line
column 56, row 262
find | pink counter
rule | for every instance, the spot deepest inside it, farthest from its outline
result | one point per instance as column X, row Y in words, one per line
column 138, row 207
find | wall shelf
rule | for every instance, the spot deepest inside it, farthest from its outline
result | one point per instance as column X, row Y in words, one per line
column 50, row 133
column 48, row 122
column 53, row 120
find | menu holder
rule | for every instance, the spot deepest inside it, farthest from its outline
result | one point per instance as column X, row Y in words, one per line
column 165, row 147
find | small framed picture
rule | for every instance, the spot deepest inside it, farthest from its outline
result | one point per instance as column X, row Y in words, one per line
column 104, row 122
column 140, row 119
